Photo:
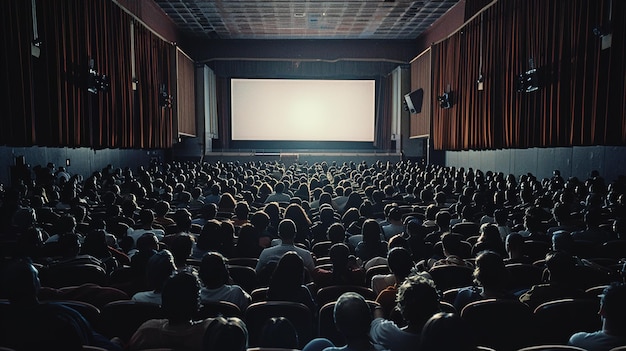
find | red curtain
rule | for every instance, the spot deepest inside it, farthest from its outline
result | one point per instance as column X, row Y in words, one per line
column 581, row 99
column 46, row 98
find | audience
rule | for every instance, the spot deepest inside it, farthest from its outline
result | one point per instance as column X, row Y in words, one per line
column 352, row 317
column 215, row 277
column 271, row 255
column 417, row 301
column 27, row 324
column 181, row 297
column 225, row 334
column 613, row 314
column 59, row 221
column 287, row 282
column 561, row 283
column 160, row 267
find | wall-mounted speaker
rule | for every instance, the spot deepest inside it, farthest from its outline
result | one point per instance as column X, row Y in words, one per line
column 414, row 100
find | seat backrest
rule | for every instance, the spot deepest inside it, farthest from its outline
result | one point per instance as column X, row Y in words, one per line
column 218, row 308
column 536, row 249
column 259, row 294
column 122, row 318
column 332, row 293
column 501, row 324
column 73, row 275
column 448, row 277
column 298, row 314
column 374, row 270
column 243, row 261
column 552, row 348
column 611, row 249
column 524, row 276
column 565, row 317
column 244, row 276
column 320, row 249
column 326, row 323
column 90, row 312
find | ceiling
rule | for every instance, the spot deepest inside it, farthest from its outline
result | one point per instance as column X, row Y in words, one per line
column 262, row 19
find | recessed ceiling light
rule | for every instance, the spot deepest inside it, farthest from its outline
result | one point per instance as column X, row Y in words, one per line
column 299, row 14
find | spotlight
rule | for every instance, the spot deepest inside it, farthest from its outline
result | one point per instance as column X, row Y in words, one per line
column 165, row 99
column 529, row 81
column 96, row 82
column 445, row 100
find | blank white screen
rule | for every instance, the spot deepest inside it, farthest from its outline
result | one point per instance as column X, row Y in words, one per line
column 308, row 110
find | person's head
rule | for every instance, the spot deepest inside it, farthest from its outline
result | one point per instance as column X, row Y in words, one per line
column 213, row 270
column 400, row 262
column 260, row 220
column 242, row 209
column 160, row 267
column 339, row 254
column 181, row 247
column 161, row 208
column 147, row 242
column 447, row 332
column 336, row 233
column 371, row 231
column 279, row 332
column 562, row 240
column 613, row 306
column 352, row 316
column 225, row 334
column 180, row 297
column 561, row 266
column 69, row 245
column 146, row 217
column 490, row 271
column 279, row 188
column 395, row 215
column 287, row 230
column 442, row 219
column 417, row 299
column 289, row 271
column 451, row 244
column 95, row 244
column 514, row 244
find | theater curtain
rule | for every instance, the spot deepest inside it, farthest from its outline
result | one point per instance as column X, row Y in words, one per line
column 154, row 60
column 46, row 99
column 580, row 102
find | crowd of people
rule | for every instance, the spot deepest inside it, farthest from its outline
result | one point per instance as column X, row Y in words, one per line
column 168, row 233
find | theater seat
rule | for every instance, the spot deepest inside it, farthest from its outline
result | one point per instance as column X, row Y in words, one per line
column 565, row 317
column 298, row 314
column 499, row 323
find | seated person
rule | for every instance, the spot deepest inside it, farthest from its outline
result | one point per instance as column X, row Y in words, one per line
column 160, row 267
column 453, row 250
column 215, row 277
column 417, row 300
column 438, row 329
column 225, row 334
column 287, row 282
column 345, row 269
column 613, row 314
column 492, row 281
column 28, row 324
column 561, row 284
column 400, row 264
column 181, row 297
column 352, row 318
column 287, row 233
